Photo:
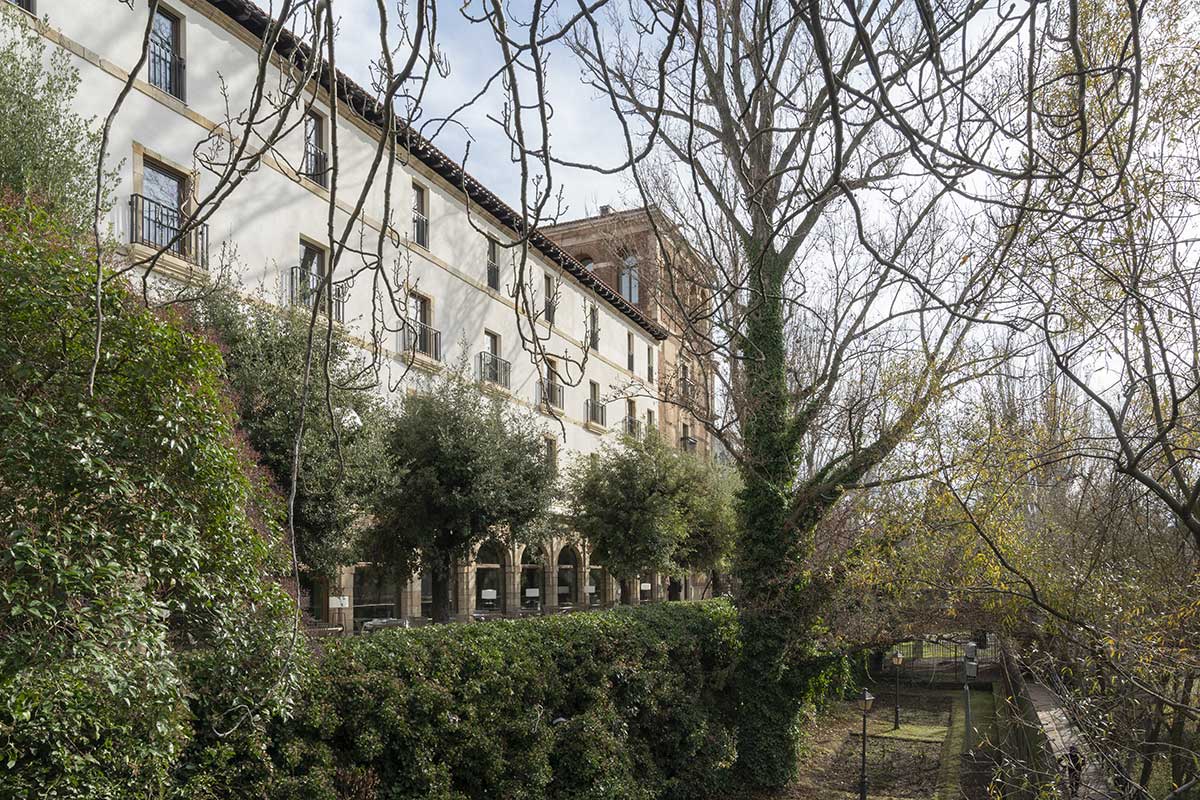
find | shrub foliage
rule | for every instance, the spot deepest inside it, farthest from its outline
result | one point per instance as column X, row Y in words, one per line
column 631, row 703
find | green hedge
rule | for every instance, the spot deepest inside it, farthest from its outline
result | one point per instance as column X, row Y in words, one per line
column 629, row 704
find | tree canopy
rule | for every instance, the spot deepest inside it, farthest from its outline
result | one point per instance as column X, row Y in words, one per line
column 140, row 606
column 461, row 467
column 341, row 448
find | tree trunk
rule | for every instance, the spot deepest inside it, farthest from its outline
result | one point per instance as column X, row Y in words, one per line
column 1181, row 757
column 440, row 578
column 769, row 563
column 715, row 582
column 626, row 592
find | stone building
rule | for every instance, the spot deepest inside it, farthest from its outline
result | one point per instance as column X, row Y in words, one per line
column 457, row 272
column 639, row 253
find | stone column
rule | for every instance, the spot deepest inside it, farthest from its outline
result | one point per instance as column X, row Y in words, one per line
column 465, row 590
column 512, row 584
column 345, row 616
column 550, row 584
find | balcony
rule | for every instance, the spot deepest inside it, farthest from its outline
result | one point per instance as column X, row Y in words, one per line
column 420, row 231
column 595, row 412
column 304, row 287
column 160, row 226
column 420, row 339
column 166, row 68
column 316, row 164
column 26, row 5
column 632, row 427
column 493, row 275
column 494, row 369
column 550, row 393
column 687, row 444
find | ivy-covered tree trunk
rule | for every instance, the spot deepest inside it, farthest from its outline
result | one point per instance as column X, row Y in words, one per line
column 770, row 555
column 440, row 580
column 626, row 585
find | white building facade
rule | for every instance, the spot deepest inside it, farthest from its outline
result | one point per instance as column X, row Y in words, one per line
column 450, row 258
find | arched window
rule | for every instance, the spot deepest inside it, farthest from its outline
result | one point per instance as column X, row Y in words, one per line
column 568, row 577
column 532, row 578
column 587, row 261
column 489, row 578
column 629, row 283
column 597, row 587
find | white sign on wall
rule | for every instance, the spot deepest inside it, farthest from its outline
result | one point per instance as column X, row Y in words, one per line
column 487, row 594
column 339, row 601
column 645, row 587
column 533, row 592
column 589, row 590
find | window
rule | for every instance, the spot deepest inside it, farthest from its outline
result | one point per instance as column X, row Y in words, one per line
column 595, row 409
column 593, row 331
column 307, row 283
column 420, row 209
column 27, row 5
column 568, row 577
column 628, row 282
column 374, row 594
column 550, row 391
column 159, row 215
column 315, row 162
column 532, row 574
column 493, row 368
column 633, row 426
column 650, row 419
column 417, row 334
column 687, row 441
column 629, row 351
column 165, row 59
column 650, row 363
column 587, row 262
column 493, row 264
column 551, row 454
column 489, row 579
column 551, row 302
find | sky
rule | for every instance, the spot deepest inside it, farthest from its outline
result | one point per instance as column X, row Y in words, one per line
column 582, row 127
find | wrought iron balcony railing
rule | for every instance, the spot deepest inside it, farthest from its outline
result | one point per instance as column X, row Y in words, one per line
column 417, row 337
column 494, row 369
column 493, row 275
column 595, row 412
column 162, row 227
column 632, row 426
column 687, row 443
column 316, row 164
column 420, row 233
column 550, row 393
column 27, row 5
column 166, row 69
column 304, row 287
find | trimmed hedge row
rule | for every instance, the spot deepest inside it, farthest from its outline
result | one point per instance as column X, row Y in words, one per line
column 634, row 703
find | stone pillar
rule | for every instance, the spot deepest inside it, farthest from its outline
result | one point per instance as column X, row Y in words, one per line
column 465, row 591
column 550, row 583
column 410, row 598
column 345, row 616
column 512, row 584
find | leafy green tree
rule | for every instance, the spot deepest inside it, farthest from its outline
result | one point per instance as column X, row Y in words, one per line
column 46, row 150
column 138, row 608
column 625, row 501
column 707, row 497
column 341, row 454
column 461, row 468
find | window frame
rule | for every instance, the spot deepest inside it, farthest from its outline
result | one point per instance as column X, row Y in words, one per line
column 177, row 55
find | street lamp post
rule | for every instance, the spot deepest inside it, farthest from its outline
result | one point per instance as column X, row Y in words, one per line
column 864, row 702
column 897, row 660
column 970, row 672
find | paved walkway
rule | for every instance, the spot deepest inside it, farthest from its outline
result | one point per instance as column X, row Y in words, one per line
column 1062, row 735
